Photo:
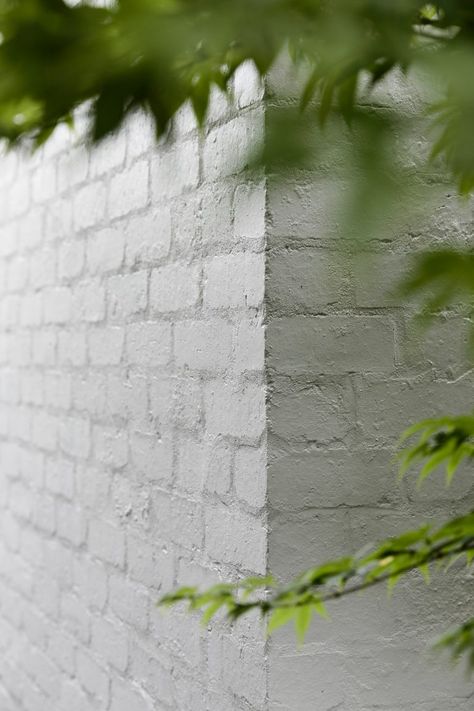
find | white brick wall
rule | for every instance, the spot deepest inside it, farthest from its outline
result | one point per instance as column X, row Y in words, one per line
column 133, row 428
column 130, row 381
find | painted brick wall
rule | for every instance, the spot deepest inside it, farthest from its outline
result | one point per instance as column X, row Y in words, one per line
column 347, row 373
column 132, row 419
column 133, row 427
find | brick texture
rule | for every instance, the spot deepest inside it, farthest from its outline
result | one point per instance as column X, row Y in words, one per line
column 120, row 464
column 347, row 373
column 140, row 447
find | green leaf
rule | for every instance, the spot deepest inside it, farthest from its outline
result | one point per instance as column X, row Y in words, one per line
column 303, row 618
column 279, row 617
column 211, row 610
column 320, row 608
column 391, row 584
column 425, row 571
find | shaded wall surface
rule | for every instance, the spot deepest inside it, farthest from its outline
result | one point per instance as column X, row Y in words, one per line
column 154, row 433
column 348, row 371
column 132, row 411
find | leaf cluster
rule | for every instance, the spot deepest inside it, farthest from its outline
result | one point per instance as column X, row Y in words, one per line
column 161, row 53
column 308, row 594
column 444, row 441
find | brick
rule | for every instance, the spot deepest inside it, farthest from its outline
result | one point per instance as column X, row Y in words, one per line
column 179, row 520
column 141, row 133
column 71, row 259
column 105, row 250
column 148, row 564
column 57, row 305
column 89, row 205
column 248, row 85
column 175, row 171
column 92, row 677
column 72, row 168
column 109, row 640
column 127, row 295
column 17, row 274
column 174, row 287
column 110, row 446
column 44, row 182
column 216, row 211
column 93, row 489
column 203, row 345
column 43, row 268
column 57, row 390
column 300, row 345
column 75, row 438
column 151, row 457
column 332, row 477
column 249, row 211
column 129, row 190
column 109, row 154
column 129, row 602
column 72, row 697
column 72, row 348
column 75, row 617
column 250, row 475
column 44, row 515
column 377, row 277
column 249, row 346
column 149, row 671
column 320, row 413
column 61, row 649
column 305, row 280
column 45, row 431
column 57, row 220
column 70, row 523
column 89, row 301
column 45, row 674
column 127, row 398
column 31, row 309
column 303, row 210
column 125, row 697
column 148, row 237
column 89, row 393
column 107, row 543
column 106, row 345
column 90, row 580
column 58, row 559
column 60, row 477
column 228, row 148
column 420, row 398
column 192, row 465
column 234, row 281
column 148, row 344
column 236, row 410
column 236, row 538
column 218, row 473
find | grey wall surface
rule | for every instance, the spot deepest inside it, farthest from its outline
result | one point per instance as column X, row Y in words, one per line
column 151, row 436
column 347, row 372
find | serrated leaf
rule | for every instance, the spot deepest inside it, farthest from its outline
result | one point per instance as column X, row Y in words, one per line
column 320, row 608
column 303, row 619
column 211, row 610
column 309, row 89
column 279, row 617
column 425, row 571
column 391, row 584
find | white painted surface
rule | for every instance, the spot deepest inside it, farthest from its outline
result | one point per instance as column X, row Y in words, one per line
column 132, row 397
column 133, row 429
